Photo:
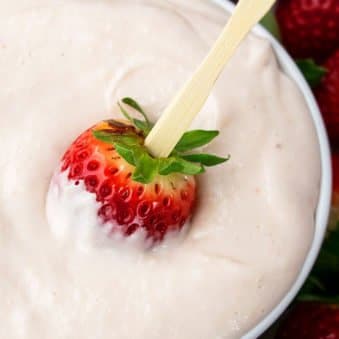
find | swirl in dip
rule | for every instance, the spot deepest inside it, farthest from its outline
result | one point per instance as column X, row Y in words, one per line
column 63, row 66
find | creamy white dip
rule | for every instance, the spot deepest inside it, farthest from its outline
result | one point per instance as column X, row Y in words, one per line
column 63, row 66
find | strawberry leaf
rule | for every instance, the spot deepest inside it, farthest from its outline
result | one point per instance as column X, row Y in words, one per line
column 103, row 136
column 168, row 166
column 128, row 140
column 125, row 113
column 132, row 103
column 142, row 125
column 145, row 166
column 146, row 169
column 205, row 159
column 125, row 152
column 179, row 165
column 190, row 168
column 311, row 71
column 129, row 144
column 111, row 138
column 195, row 139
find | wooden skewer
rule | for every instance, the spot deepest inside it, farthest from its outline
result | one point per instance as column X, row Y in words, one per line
column 178, row 116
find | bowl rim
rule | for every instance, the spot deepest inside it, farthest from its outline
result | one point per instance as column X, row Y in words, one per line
column 324, row 203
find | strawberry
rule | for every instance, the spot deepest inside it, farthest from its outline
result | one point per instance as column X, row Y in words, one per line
column 309, row 28
column 311, row 320
column 327, row 94
column 135, row 191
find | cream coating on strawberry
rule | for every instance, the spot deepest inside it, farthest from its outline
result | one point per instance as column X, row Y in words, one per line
column 133, row 192
column 73, row 218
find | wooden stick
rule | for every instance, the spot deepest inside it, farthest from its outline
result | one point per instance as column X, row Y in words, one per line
column 178, row 116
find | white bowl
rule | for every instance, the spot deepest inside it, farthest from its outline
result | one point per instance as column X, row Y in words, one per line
column 322, row 212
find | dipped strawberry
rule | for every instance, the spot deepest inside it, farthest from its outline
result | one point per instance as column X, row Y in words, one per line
column 135, row 194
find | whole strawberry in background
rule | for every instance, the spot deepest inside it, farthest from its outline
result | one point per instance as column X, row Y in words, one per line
column 327, row 94
column 309, row 28
column 311, row 320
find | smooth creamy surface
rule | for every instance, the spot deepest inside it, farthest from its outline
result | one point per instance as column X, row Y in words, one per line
column 63, row 66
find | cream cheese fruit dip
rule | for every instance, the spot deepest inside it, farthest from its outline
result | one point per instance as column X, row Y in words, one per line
column 63, row 66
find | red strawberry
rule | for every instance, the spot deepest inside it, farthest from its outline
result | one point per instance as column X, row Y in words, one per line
column 160, row 206
column 134, row 190
column 327, row 94
column 309, row 28
column 310, row 320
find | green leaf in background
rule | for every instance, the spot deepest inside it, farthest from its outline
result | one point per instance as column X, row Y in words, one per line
column 195, row 139
column 205, row 159
column 271, row 24
column 311, row 71
column 320, row 299
column 323, row 283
